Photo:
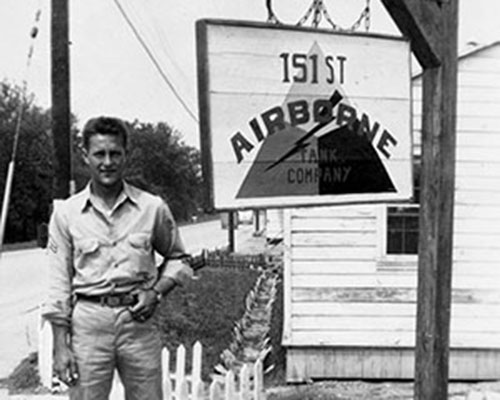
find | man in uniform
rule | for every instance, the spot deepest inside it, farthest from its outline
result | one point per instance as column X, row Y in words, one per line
column 104, row 285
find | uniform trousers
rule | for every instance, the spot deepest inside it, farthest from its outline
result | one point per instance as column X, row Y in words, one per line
column 105, row 339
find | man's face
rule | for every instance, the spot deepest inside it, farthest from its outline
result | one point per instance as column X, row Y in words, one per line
column 106, row 158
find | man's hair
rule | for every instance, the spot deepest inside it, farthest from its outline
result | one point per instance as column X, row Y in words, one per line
column 104, row 126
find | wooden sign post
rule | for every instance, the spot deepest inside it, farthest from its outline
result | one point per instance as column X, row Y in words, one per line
column 431, row 26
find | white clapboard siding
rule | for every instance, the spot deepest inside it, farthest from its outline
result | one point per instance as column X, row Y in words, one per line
column 389, row 295
column 471, row 170
column 338, row 252
column 354, row 211
column 305, row 267
column 348, row 239
column 486, row 268
column 337, row 224
column 483, row 197
column 476, row 225
column 342, row 293
column 400, row 323
column 472, row 94
column 475, row 139
column 476, row 109
column 481, row 63
column 464, row 211
column 479, row 154
column 384, row 280
column 479, row 124
column 479, row 80
column 478, row 255
column 468, row 123
column 330, row 309
column 478, row 183
column 389, row 339
column 477, row 240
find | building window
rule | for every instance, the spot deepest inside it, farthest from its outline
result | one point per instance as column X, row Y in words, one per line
column 402, row 221
column 402, row 230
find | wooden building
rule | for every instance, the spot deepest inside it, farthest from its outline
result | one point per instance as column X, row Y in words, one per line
column 351, row 271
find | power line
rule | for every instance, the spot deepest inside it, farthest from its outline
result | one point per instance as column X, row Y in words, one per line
column 153, row 60
column 163, row 39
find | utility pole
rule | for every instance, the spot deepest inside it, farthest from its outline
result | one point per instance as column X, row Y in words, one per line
column 61, row 114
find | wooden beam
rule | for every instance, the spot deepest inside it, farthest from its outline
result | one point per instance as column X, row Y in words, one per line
column 432, row 28
column 437, row 204
column 436, row 215
column 419, row 20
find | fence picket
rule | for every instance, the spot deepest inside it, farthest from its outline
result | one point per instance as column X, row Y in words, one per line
column 258, row 381
column 198, row 393
column 180, row 369
column 229, row 389
column 167, row 383
column 244, row 383
column 196, row 369
column 214, row 391
column 183, row 390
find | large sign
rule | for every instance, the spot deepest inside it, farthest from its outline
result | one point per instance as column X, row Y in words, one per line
column 293, row 116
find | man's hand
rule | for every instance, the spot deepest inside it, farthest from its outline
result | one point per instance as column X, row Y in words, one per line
column 145, row 307
column 65, row 366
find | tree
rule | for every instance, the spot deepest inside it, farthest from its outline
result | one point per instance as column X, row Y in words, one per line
column 162, row 163
column 32, row 185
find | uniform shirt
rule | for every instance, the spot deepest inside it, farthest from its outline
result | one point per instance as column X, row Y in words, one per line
column 94, row 251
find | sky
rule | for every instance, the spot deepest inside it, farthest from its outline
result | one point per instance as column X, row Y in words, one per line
column 111, row 73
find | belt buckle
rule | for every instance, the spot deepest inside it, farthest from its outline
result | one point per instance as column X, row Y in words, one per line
column 129, row 299
column 113, row 301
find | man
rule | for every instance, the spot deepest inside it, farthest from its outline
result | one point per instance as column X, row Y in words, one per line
column 104, row 284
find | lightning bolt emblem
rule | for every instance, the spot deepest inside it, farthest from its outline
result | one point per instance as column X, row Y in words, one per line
column 303, row 143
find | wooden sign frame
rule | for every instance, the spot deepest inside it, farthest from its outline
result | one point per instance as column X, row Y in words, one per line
column 312, row 117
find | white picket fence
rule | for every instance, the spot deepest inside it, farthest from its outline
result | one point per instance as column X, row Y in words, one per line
column 180, row 386
column 248, row 384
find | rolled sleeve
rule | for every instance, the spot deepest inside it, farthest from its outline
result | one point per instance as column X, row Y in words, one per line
column 179, row 271
column 169, row 244
column 57, row 305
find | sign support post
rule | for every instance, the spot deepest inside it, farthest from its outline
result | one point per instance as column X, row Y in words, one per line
column 231, row 226
column 432, row 28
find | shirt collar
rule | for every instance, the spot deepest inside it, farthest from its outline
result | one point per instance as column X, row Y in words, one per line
column 127, row 194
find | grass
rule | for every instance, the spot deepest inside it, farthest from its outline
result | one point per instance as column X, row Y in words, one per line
column 25, row 377
column 206, row 310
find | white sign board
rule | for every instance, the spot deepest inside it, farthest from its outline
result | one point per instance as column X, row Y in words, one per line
column 293, row 116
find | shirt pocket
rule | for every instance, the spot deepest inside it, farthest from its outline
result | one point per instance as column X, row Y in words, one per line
column 87, row 252
column 140, row 254
column 85, row 247
column 140, row 241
